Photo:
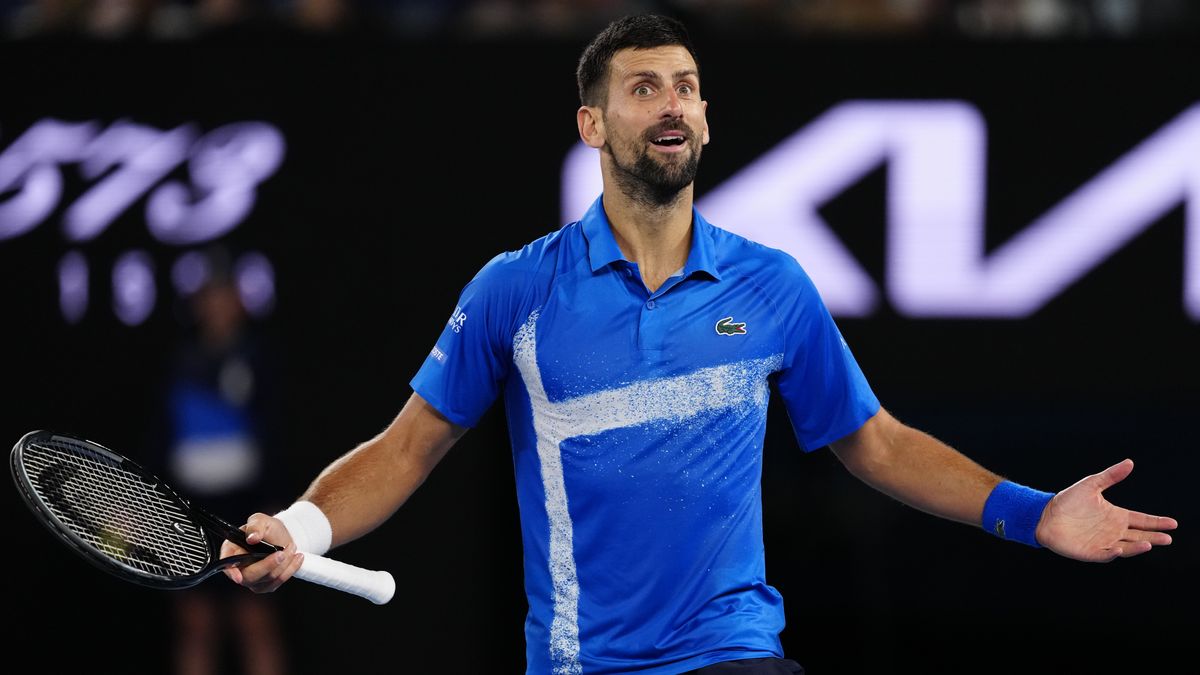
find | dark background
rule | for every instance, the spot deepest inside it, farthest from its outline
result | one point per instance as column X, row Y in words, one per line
column 410, row 164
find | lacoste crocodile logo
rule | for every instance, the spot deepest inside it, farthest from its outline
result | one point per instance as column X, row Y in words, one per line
column 726, row 326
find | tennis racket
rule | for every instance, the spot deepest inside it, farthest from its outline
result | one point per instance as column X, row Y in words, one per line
column 129, row 523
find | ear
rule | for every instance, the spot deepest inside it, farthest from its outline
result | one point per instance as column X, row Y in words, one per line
column 704, row 114
column 591, row 126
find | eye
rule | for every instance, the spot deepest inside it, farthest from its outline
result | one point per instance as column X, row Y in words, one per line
column 642, row 90
column 684, row 90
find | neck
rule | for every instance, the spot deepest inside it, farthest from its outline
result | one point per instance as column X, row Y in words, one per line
column 655, row 236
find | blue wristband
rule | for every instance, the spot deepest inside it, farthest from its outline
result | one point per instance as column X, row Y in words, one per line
column 1012, row 512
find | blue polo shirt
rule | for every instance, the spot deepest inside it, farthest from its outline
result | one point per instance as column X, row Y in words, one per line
column 637, row 422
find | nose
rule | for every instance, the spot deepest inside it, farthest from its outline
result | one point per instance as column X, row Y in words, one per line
column 672, row 108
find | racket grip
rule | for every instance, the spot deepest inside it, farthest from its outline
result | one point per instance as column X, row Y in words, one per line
column 374, row 585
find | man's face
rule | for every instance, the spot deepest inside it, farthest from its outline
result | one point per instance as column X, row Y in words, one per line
column 654, row 121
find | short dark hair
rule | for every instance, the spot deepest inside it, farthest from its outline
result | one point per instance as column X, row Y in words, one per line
column 639, row 31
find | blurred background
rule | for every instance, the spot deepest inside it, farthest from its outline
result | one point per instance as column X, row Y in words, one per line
column 579, row 19
column 231, row 230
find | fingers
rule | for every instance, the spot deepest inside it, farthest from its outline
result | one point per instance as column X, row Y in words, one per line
column 261, row 527
column 1122, row 549
column 228, row 548
column 1134, row 543
column 1128, row 549
column 294, row 565
column 1144, row 532
column 1113, row 474
column 1145, row 521
column 1154, row 538
column 268, row 574
column 257, row 528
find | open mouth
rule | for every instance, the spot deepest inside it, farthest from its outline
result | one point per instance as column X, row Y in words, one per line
column 669, row 140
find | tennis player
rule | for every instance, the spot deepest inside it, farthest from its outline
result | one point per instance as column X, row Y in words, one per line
column 634, row 350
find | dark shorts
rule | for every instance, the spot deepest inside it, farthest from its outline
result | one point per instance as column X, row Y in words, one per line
column 767, row 666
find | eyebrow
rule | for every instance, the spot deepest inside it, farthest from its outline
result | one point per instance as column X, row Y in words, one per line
column 651, row 75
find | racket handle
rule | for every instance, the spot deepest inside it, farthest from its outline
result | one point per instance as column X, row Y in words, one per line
column 376, row 586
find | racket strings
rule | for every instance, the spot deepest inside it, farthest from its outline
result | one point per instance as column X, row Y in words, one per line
column 117, row 512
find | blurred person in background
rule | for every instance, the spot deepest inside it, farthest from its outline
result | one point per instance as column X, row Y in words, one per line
column 976, row 19
column 543, row 18
column 218, row 440
column 414, row 18
column 1050, row 19
column 861, row 17
column 117, row 19
column 241, row 19
column 47, row 18
column 322, row 16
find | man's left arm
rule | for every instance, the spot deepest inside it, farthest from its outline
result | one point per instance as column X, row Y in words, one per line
column 925, row 473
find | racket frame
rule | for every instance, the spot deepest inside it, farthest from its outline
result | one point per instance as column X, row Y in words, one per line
column 214, row 529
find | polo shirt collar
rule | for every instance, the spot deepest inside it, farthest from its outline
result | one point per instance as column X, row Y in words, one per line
column 603, row 249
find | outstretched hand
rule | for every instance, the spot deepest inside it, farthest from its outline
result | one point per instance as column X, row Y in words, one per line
column 1080, row 523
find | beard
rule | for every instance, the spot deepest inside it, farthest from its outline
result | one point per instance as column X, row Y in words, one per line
column 656, row 181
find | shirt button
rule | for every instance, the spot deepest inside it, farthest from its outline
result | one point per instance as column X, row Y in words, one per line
column 650, row 304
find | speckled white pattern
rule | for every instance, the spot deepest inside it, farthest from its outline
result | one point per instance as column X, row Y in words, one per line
column 743, row 383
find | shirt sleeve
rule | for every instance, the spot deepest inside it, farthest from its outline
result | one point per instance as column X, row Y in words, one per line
column 826, row 394
column 463, row 374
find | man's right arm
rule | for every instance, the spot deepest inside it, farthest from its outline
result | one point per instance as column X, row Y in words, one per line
column 356, row 492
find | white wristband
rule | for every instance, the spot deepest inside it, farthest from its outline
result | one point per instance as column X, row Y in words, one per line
column 308, row 526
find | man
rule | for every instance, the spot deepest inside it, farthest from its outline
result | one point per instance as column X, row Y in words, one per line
column 635, row 350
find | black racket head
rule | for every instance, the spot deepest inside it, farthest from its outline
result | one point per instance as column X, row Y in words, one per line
column 116, row 514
